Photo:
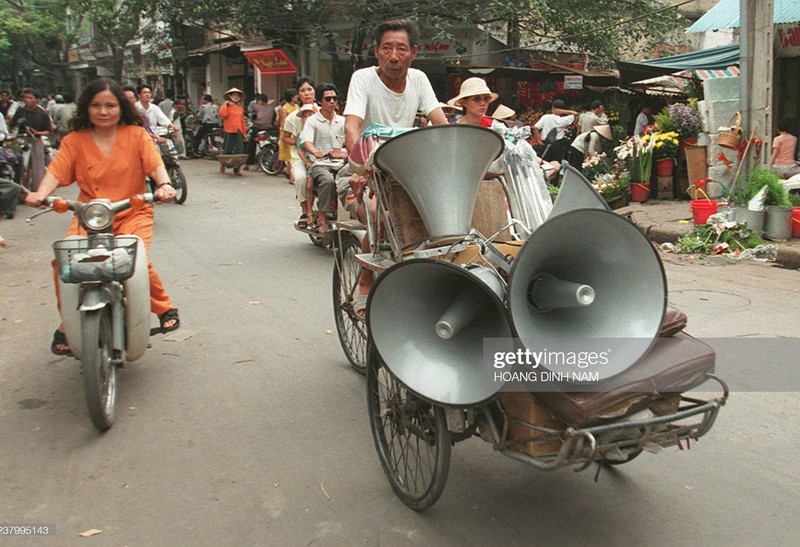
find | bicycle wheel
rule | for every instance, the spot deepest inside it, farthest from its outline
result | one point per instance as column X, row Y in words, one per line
column 178, row 181
column 99, row 373
column 268, row 160
column 351, row 326
column 411, row 437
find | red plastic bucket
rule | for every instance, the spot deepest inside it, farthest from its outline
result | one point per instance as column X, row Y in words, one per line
column 796, row 222
column 702, row 209
column 640, row 191
column 664, row 167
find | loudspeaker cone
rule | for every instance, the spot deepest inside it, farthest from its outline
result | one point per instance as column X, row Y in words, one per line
column 588, row 280
column 428, row 319
column 442, row 182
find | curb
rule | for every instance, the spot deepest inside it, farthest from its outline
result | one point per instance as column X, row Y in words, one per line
column 788, row 256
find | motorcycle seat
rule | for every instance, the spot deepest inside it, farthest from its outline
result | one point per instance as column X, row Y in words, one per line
column 673, row 365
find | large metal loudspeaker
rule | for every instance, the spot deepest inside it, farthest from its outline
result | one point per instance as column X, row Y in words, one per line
column 428, row 319
column 441, row 168
column 588, row 280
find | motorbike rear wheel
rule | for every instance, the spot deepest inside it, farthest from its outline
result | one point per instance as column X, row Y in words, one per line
column 410, row 435
column 268, row 161
column 178, row 181
column 99, row 372
column 351, row 327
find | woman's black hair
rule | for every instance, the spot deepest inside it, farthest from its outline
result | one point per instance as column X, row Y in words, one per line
column 784, row 125
column 128, row 113
column 289, row 94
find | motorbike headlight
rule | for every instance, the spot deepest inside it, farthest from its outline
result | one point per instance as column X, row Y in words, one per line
column 97, row 216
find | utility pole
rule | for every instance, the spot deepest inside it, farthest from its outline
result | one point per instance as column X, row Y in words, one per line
column 756, row 64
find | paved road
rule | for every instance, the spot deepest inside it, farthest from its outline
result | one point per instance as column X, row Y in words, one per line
column 248, row 427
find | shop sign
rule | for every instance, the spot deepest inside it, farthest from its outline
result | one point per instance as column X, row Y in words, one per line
column 788, row 41
column 271, row 61
column 573, row 82
column 236, row 69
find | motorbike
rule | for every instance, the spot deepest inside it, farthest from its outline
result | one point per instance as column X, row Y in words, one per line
column 210, row 145
column 10, row 169
column 267, row 152
column 495, row 336
column 105, row 298
column 311, row 225
column 176, row 176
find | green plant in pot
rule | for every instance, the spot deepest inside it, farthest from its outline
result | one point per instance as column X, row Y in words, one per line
column 758, row 178
column 664, row 123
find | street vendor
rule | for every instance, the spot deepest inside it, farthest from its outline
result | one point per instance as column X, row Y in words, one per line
column 232, row 115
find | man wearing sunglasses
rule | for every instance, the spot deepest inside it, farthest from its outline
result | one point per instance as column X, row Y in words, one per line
column 322, row 138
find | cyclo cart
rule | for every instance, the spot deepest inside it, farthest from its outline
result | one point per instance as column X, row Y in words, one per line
column 444, row 292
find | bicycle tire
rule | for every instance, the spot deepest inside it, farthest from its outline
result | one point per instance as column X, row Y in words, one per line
column 407, row 431
column 351, row 327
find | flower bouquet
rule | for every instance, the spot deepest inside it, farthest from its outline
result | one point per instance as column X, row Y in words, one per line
column 595, row 166
column 613, row 186
column 637, row 154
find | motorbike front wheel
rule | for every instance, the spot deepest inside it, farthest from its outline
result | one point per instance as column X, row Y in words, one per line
column 351, row 326
column 268, row 160
column 410, row 435
column 178, row 181
column 99, row 372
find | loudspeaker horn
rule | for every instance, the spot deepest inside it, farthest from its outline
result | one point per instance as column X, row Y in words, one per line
column 441, row 168
column 576, row 192
column 588, row 281
column 428, row 318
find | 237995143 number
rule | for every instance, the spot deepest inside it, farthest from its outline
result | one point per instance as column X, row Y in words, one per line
column 26, row 529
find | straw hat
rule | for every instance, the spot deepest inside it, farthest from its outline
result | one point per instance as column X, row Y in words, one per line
column 604, row 130
column 233, row 90
column 471, row 87
column 445, row 106
column 306, row 108
column 502, row 112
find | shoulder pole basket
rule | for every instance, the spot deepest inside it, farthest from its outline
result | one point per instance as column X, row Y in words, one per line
column 732, row 137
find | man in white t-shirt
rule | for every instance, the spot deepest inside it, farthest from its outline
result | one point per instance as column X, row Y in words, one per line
column 558, row 119
column 390, row 94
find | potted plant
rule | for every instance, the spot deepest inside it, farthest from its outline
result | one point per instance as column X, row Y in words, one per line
column 637, row 154
column 776, row 204
column 613, row 187
column 665, row 151
column 687, row 122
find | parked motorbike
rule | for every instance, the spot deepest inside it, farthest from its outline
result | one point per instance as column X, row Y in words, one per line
column 176, row 176
column 10, row 168
column 105, row 298
column 267, row 152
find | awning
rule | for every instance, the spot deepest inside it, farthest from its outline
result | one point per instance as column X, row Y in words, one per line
column 271, row 61
column 538, row 74
column 725, row 15
column 716, row 58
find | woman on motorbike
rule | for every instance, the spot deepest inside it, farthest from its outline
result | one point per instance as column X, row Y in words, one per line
column 110, row 155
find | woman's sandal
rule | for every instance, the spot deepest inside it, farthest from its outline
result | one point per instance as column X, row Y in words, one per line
column 59, row 344
column 303, row 222
column 169, row 316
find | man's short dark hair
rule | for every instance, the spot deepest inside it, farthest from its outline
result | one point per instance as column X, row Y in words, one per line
column 596, row 104
column 558, row 103
column 31, row 91
column 208, row 98
column 326, row 87
column 140, row 87
column 407, row 25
